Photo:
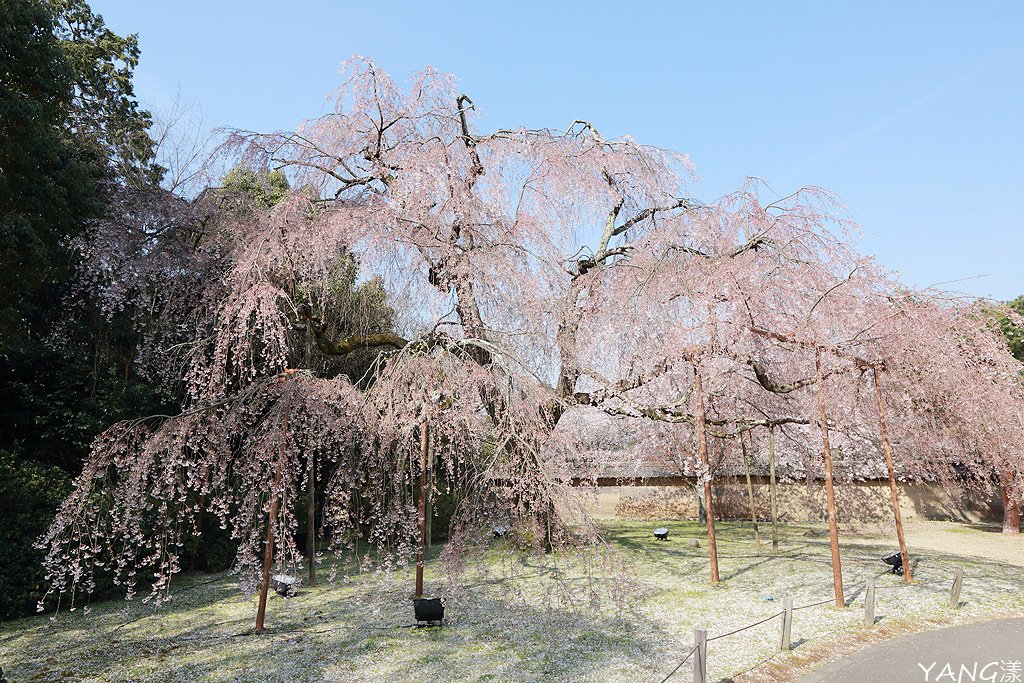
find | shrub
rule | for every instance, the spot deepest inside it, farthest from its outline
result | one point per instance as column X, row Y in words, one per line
column 29, row 495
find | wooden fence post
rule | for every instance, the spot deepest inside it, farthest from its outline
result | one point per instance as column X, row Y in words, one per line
column 869, row 603
column 787, row 623
column 700, row 655
column 954, row 594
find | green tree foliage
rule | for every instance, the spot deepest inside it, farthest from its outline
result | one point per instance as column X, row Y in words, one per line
column 351, row 307
column 47, row 178
column 73, row 144
column 264, row 188
column 104, row 110
column 70, row 130
column 69, row 123
column 62, row 392
column 1013, row 330
column 29, row 492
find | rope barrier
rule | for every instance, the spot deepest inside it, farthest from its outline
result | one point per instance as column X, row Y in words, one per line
column 817, row 604
column 756, row 623
column 846, row 598
column 687, row 657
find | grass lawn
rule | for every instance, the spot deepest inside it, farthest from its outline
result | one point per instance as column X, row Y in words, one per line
column 509, row 622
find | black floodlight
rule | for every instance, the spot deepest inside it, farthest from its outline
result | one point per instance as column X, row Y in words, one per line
column 429, row 610
column 285, row 585
column 894, row 560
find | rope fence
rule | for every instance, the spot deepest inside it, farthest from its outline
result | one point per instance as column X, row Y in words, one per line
column 756, row 623
column 680, row 664
column 823, row 602
column 701, row 639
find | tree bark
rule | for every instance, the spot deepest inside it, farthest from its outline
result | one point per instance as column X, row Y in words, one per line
column 830, row 495
column 1011, row 505
column 702, row 512
column 702, row 435
column 893, row 491
column 771, row 489
column 750, row 491
column 421, row 555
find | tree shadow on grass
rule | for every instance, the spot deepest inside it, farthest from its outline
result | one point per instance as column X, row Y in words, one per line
column 327, row 633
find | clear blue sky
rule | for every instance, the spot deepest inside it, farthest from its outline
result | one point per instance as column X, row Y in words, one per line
column 913, row 113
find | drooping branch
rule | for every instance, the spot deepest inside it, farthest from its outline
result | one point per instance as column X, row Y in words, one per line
column 771, row 385
column 753, row 244
column 789, row 339
column 673, row 415
column 347, row 345
column 468, row 139
column 683, row 203
column 611, row 230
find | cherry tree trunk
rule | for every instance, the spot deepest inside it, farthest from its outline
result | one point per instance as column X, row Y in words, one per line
column 771, row 489
column 702, row 435
column 698, row 493
column 421, row 554
column 1011, row 505
column 311, row 522
column 830, row 494
column 750, row 491
column 268, row 553
column 893, row 491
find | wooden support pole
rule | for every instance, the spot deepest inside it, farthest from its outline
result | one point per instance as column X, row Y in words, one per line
column 954, row 593
column 311, row 521
column 830, row 494
column 421, row 555
column 268, row 552
column 700, row 655
column 428, row 533
column 787, row 624
column 702, row 436
column 893, row 491
column 275, row 503
column 771, row 488
column 869, row 603
column 750, row 490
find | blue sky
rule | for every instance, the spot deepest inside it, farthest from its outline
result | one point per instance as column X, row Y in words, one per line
column 913, row 113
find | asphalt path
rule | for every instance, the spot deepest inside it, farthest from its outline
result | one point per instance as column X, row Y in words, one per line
column 989, row 652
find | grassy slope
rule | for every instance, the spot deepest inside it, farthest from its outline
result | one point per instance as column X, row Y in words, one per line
column 509, row 623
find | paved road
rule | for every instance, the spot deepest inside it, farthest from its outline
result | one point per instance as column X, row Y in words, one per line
column 992, row 651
